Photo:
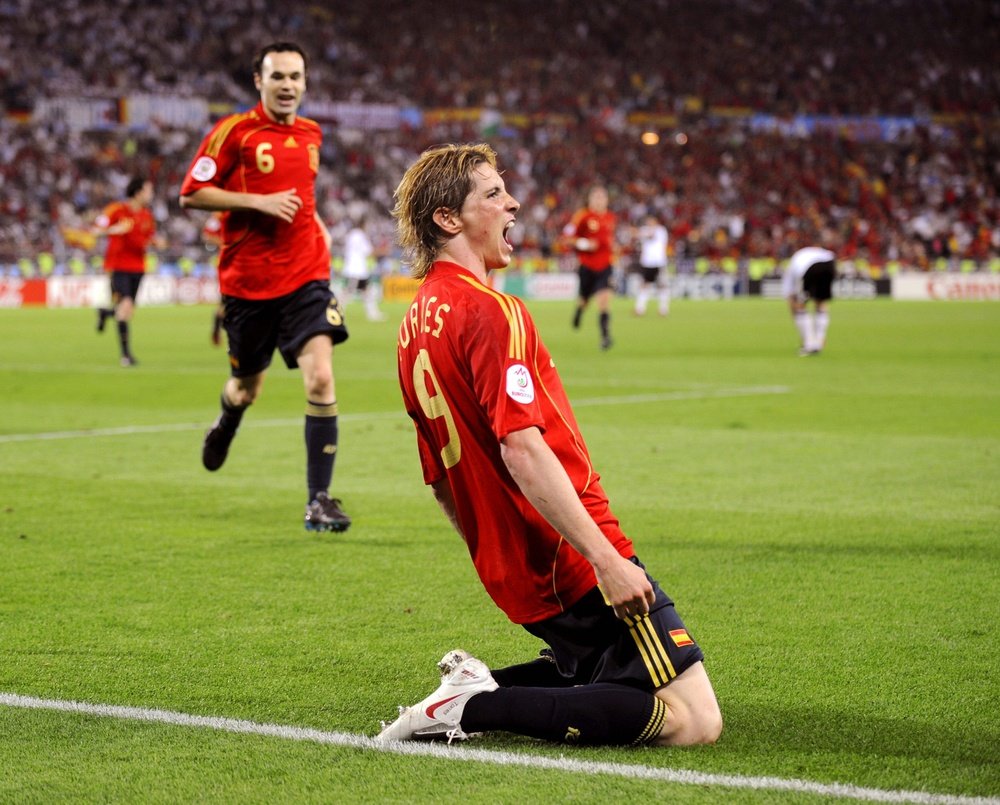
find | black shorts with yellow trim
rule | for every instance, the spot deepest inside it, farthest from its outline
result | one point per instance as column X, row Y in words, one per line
column 589, row 644
column 256, row 327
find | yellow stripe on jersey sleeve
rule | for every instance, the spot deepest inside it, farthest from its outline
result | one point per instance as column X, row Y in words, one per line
column 515, row 320
column 221, row 133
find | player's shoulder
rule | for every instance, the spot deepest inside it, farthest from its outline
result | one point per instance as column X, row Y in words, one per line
column 108, row 213
column 229, row 125
column 308, row 124
column 492, row 302
column 234, row 119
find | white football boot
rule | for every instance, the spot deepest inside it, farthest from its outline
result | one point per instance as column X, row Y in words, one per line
column 439, row 715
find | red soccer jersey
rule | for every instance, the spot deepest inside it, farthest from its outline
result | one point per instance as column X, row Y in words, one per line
column 599, row 227
column 127, row 251
column 472, row 370
column 263, row 257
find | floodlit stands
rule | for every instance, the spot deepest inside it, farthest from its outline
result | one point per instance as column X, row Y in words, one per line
column 880, row 118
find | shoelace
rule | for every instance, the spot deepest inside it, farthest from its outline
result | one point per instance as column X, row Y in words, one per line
column 456, row 733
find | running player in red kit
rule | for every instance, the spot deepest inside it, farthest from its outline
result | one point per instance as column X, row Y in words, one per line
column 130, row 229
column 500, row 447
column 259, row 168
column 592, row 235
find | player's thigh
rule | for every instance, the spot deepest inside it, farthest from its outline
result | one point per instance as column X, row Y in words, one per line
column 310, row 311
column 252, row 334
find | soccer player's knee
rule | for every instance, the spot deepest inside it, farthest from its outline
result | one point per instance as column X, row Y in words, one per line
column 692, row 723
column 241, row 396
column 709, row 723
column 320, row 384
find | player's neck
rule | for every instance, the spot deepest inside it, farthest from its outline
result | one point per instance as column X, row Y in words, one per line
column 282, row 120
column 464, row 258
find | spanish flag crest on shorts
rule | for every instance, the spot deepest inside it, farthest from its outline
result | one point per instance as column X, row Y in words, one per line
column 681, row 638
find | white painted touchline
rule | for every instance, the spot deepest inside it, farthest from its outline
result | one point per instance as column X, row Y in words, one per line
column 131, row 430
column 497, row 758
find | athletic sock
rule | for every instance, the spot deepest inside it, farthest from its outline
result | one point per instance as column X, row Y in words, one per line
column 540, row 673
column 321, row 446
column 605, row 322
column 664, row 301
column 123, row 338
column 577, row 316
column 640, row 301
column 802, row 324
column 231, row 414
column 602, row 713
column 822, row 323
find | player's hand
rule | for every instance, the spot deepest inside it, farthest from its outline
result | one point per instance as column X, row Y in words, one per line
column 626, row 588
column 281, row 205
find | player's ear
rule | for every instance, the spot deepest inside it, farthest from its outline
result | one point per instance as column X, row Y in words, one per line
column 256, row 80
column 448, row 220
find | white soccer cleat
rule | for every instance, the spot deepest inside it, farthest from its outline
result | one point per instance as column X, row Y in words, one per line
column 439, row 715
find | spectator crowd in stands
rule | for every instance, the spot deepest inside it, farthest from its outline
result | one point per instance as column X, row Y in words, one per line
column 566, row 90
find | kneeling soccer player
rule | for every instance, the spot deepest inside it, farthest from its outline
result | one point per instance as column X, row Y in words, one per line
column 500, row 446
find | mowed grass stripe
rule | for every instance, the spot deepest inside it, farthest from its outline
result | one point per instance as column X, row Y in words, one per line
column 130, row 430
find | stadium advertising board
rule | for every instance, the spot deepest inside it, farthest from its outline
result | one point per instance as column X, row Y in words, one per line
column 947, row 287
column 551, row 286
column 16, row 292
column 94, row 291
column 710, row 286
column 159, row 289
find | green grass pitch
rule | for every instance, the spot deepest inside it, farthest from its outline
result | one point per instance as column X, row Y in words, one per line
column 828, row 527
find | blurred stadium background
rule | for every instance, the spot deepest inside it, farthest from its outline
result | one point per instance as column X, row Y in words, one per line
column 848, row 625
column 745, row 125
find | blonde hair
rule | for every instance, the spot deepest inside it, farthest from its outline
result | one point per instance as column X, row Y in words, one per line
column 440, row 178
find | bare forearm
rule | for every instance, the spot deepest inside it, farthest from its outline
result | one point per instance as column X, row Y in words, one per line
column 217, row 199
column 284, row 204
column 544, row 482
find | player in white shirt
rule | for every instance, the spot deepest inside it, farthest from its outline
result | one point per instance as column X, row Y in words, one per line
column 358, row 250
column 809, row 278
column 653, row 239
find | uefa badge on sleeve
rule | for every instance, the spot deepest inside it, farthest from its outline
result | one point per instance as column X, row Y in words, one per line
column 519, row 384
column 204, row 169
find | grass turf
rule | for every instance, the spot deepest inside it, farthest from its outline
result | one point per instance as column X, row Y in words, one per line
column 828, row 527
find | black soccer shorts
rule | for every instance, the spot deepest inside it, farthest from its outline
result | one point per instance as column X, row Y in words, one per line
column 593, row 281
column 125, row 284
column 650, row 274
column 590, row 644
column 817, row 282
column 256, row 327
